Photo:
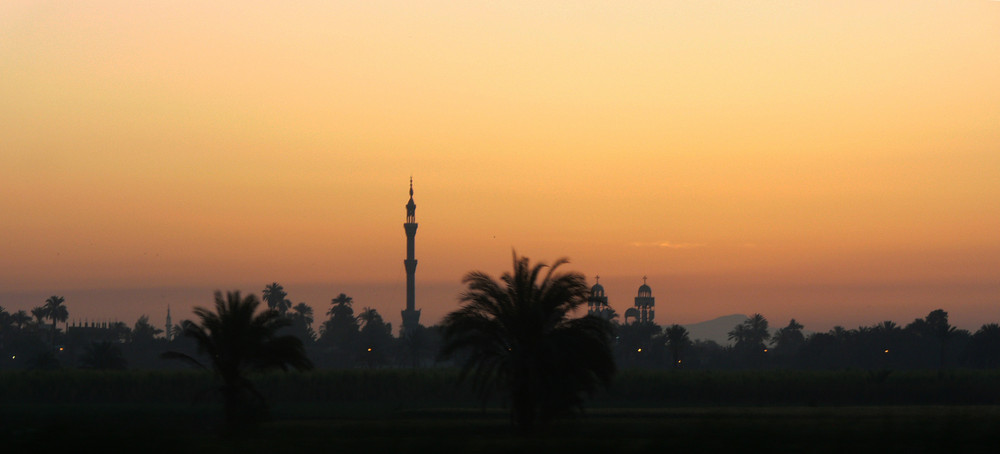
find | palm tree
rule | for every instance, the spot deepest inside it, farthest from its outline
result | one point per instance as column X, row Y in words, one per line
column 677, row 340
column 375, row 336
column 55, row 310
column 143, row 332
column 6, row 321
column 940, row 330
column 274, row 295
column 304, row 312
column 302, row 320
column 342, row 327
column 751, row 334
column 986, row 346
column 514, row 336
column 341, row 305
column 369, row 316
column 789, row 340
column 39, row 314
column 237, row 340
column 21, row 319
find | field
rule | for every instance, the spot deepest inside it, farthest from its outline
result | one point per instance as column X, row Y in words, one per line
column 420, row 411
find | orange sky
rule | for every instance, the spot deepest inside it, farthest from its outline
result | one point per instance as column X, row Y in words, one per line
column 833, row 161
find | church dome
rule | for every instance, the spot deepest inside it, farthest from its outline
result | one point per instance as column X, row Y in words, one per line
column 597, row 290
column 644, row 290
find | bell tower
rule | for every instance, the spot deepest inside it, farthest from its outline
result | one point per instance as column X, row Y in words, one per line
column 645, row 303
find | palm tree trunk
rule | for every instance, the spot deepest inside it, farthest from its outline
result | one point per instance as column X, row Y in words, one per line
column 231, row 401
column 522, row 410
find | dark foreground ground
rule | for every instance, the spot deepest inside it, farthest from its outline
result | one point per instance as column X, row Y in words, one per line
column 423, row 410
column 181, row 428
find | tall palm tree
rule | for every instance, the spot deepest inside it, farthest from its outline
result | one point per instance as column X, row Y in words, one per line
column 274, row 295
column 55, row 310
column 514, row 336
column 238, row 340
column 341, row 305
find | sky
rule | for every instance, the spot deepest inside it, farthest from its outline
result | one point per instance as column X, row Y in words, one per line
column 833, row 161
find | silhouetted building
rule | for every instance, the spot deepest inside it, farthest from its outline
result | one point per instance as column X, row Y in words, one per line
column 597, row 303
column 411, row 315
column 84, row 333
column 644, row 303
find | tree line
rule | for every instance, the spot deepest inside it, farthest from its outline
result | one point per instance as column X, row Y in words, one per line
column 514, row 337
column 925, row 343
column 346, row 339
column 43, row 339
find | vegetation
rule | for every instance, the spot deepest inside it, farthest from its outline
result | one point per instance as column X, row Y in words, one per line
column 677, row 340
column 55, row 310
column 515, row 337
column 710, row 429
column 883, row 385
column 238, row 340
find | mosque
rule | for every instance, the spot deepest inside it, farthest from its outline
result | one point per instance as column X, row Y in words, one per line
column 597, row 303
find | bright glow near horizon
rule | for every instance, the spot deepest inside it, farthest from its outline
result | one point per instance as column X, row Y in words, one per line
column 791, row 149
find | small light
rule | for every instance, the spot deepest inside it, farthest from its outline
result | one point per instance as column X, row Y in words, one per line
column 678, row 361
column 765, row 350
column 60, row 349
column 369, row 349
column 13, row 356
column 886, row 351
column 639, row 350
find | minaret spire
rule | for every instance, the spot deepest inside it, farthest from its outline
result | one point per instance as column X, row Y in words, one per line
column 411, row 315
column 170, row 326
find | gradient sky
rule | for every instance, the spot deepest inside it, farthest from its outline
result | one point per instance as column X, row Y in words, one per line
column 833, row 161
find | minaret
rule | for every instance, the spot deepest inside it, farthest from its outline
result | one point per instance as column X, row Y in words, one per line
column 411, row 315
column 170, row 326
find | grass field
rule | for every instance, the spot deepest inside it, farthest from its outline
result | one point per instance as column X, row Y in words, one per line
column 422, row 411
column 181, row 428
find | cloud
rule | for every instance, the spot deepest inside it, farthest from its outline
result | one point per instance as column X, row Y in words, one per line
column 669, row 245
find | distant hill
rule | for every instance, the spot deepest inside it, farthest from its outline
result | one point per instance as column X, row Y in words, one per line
column 716, row 329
